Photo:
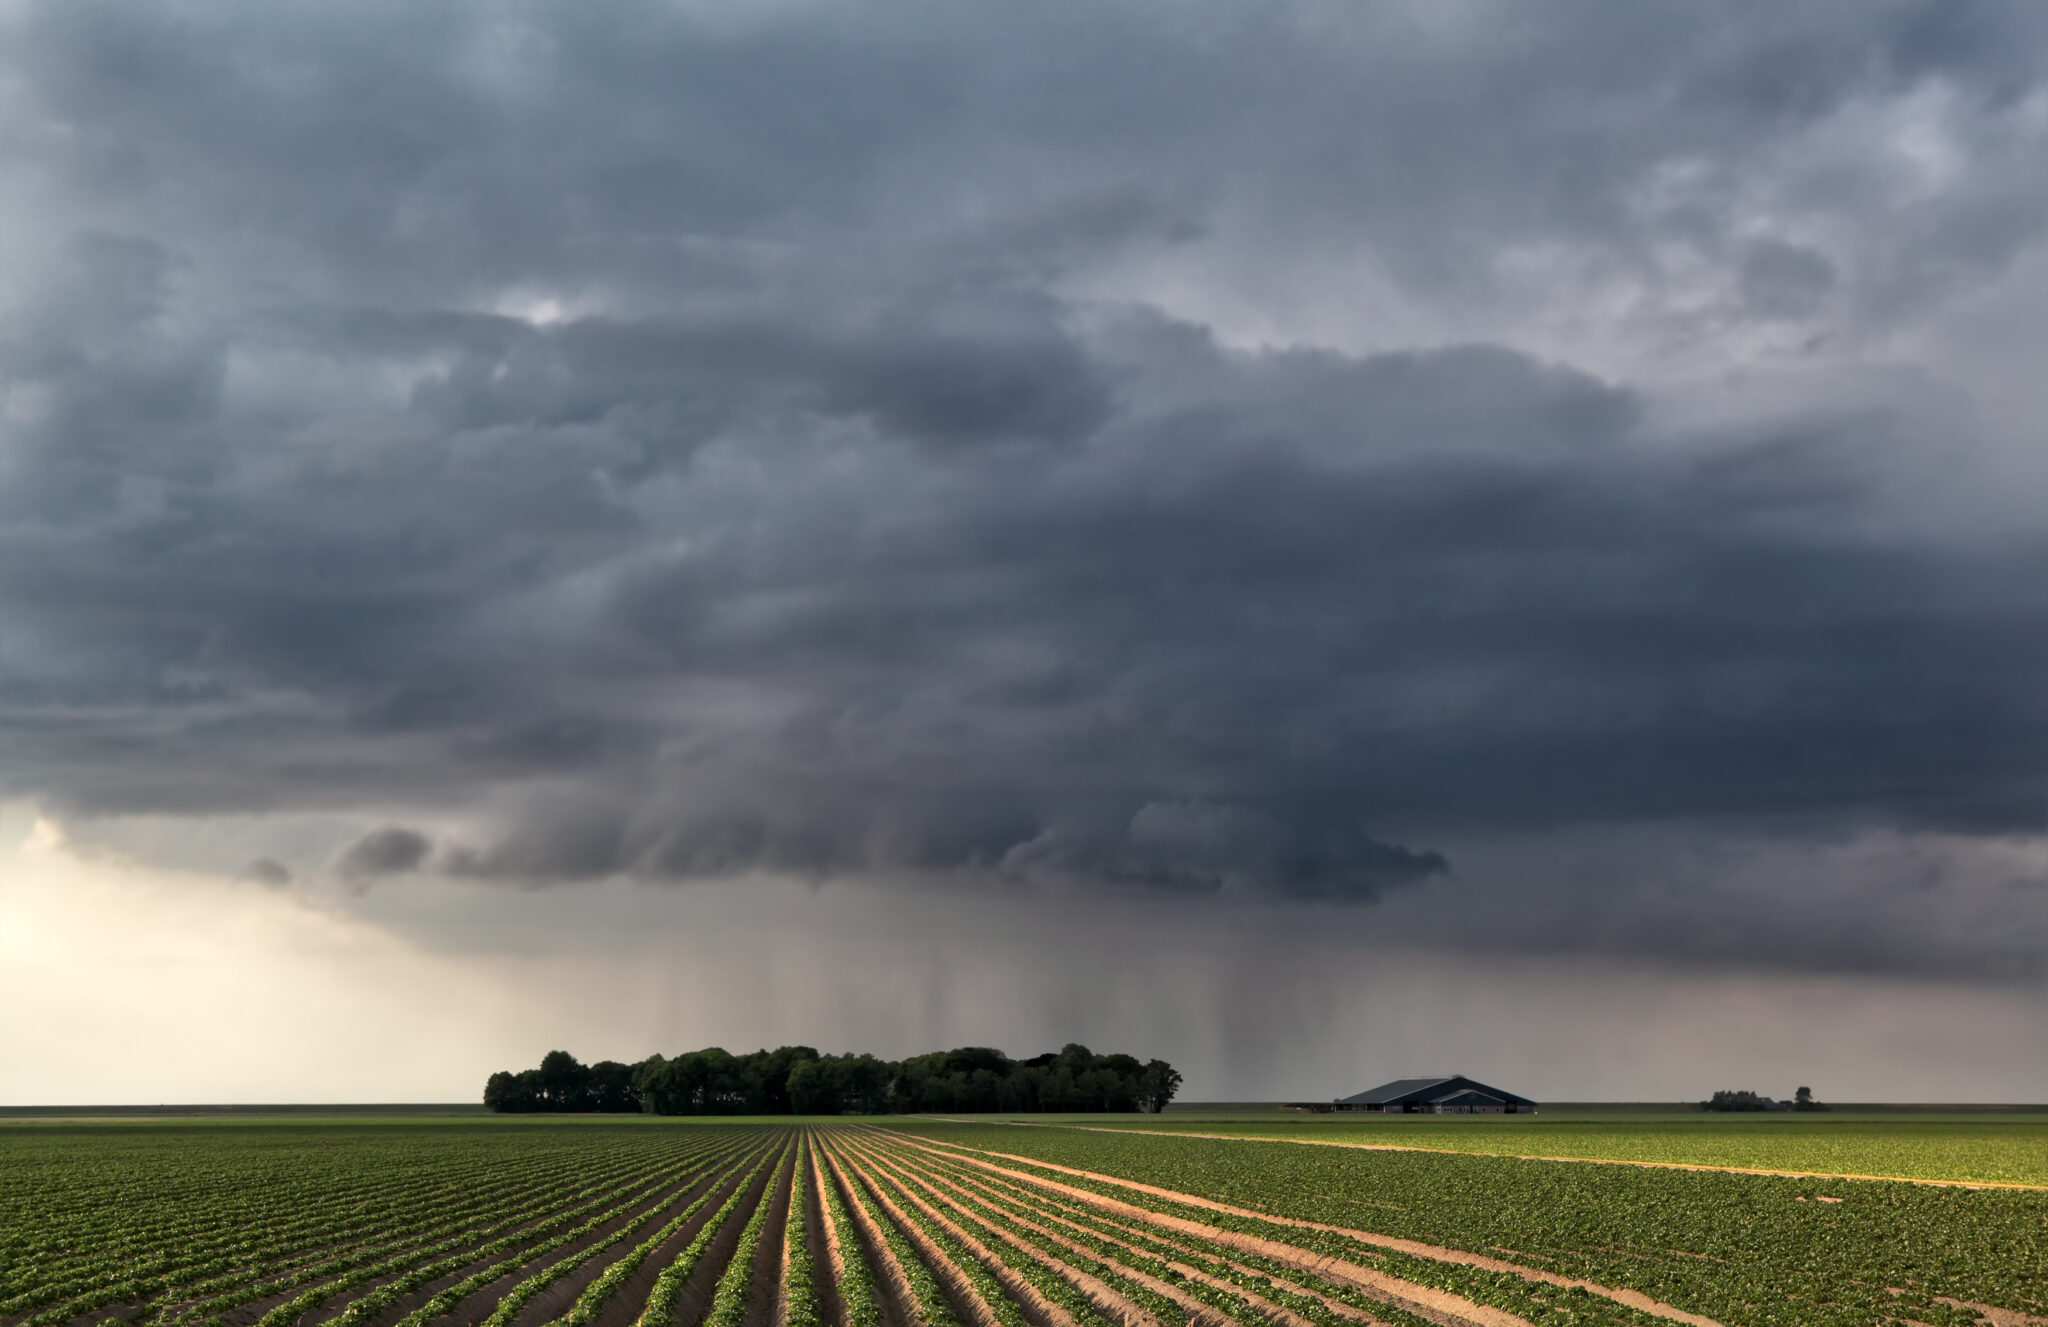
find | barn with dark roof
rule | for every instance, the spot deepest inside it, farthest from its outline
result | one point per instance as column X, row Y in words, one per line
column 1448, row 1094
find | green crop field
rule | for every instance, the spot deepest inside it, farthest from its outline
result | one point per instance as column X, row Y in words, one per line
column 2009, row 1148
column 640, row 1222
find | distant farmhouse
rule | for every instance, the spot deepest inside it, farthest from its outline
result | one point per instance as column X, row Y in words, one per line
column 1452, row 1095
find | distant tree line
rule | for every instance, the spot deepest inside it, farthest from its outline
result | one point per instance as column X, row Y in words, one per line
column 797, row 1080
column 562, row 1083
column 1726, row 1100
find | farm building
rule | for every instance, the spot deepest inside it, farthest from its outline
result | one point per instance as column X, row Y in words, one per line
column 1454, row 1094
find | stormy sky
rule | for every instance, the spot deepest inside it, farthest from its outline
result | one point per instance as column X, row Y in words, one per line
column 1321, row 541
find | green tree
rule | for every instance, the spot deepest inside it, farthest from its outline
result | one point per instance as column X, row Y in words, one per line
column 797, row 1079
column 1157, row 1083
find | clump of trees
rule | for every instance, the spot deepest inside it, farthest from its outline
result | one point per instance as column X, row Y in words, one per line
column 798, row 1080
column 791, row 1080
column 1727, row 1100
column 1073, row 1078
column 563, row 1084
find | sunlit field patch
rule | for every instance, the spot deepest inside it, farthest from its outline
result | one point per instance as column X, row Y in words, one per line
column 1989, row 1147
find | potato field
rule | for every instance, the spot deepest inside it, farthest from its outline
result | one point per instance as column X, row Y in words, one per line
column 903, row 1223
column 2006, row 1147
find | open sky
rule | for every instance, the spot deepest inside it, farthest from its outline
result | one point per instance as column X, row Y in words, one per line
column 1320, row 541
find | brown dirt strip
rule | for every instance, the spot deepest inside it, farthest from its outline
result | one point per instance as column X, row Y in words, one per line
column 1107, row 1300
column 778, row 1308
column 825, row 1250
column 1268, row 1309
column 1334, row 1305
column 959, row 1291
column 1199, row 1312
column 1515, row 1156
column 1318, row 1263
column 1438, row 1306
column 1197, row 1309
column 623, row 1308
column 1308, row 1260
column 1212, row 1253
column 1039, row 1310
column 764, row 1291
column 1997, row 1317
column 694, row 1301
column 892, row 1287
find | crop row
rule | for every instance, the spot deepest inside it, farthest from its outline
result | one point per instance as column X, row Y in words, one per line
column 1050, row 1248
column 1506, row 1232
column 843, row 1227
column 219, row 1231
column 915, row 1225
column 577, row 1204
column 1989, row 1147
column 214, row 1285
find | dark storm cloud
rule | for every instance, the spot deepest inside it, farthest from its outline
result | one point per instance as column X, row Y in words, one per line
column 685, row 442
column 390, row 851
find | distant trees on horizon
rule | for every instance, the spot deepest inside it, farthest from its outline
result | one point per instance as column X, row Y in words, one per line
column 797, row 1080
column 1744, row 1100
column 563, row 1083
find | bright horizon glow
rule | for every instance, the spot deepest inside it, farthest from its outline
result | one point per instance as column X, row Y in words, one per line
column 122, row 984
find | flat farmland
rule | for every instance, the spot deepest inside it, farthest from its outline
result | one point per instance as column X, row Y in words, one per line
column 551, row 1222
column 1983, row 1147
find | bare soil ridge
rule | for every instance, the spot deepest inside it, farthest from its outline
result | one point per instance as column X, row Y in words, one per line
column 892, row 1286
column 1185, row 1269
column 1106, row 1299
column 1632, row 1298
column 1438, row 1306
column 1035, row 1307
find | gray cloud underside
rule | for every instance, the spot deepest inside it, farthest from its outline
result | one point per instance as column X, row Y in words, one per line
column 678, row 442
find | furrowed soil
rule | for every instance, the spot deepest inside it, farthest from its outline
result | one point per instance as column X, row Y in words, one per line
column 1013, row 1226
